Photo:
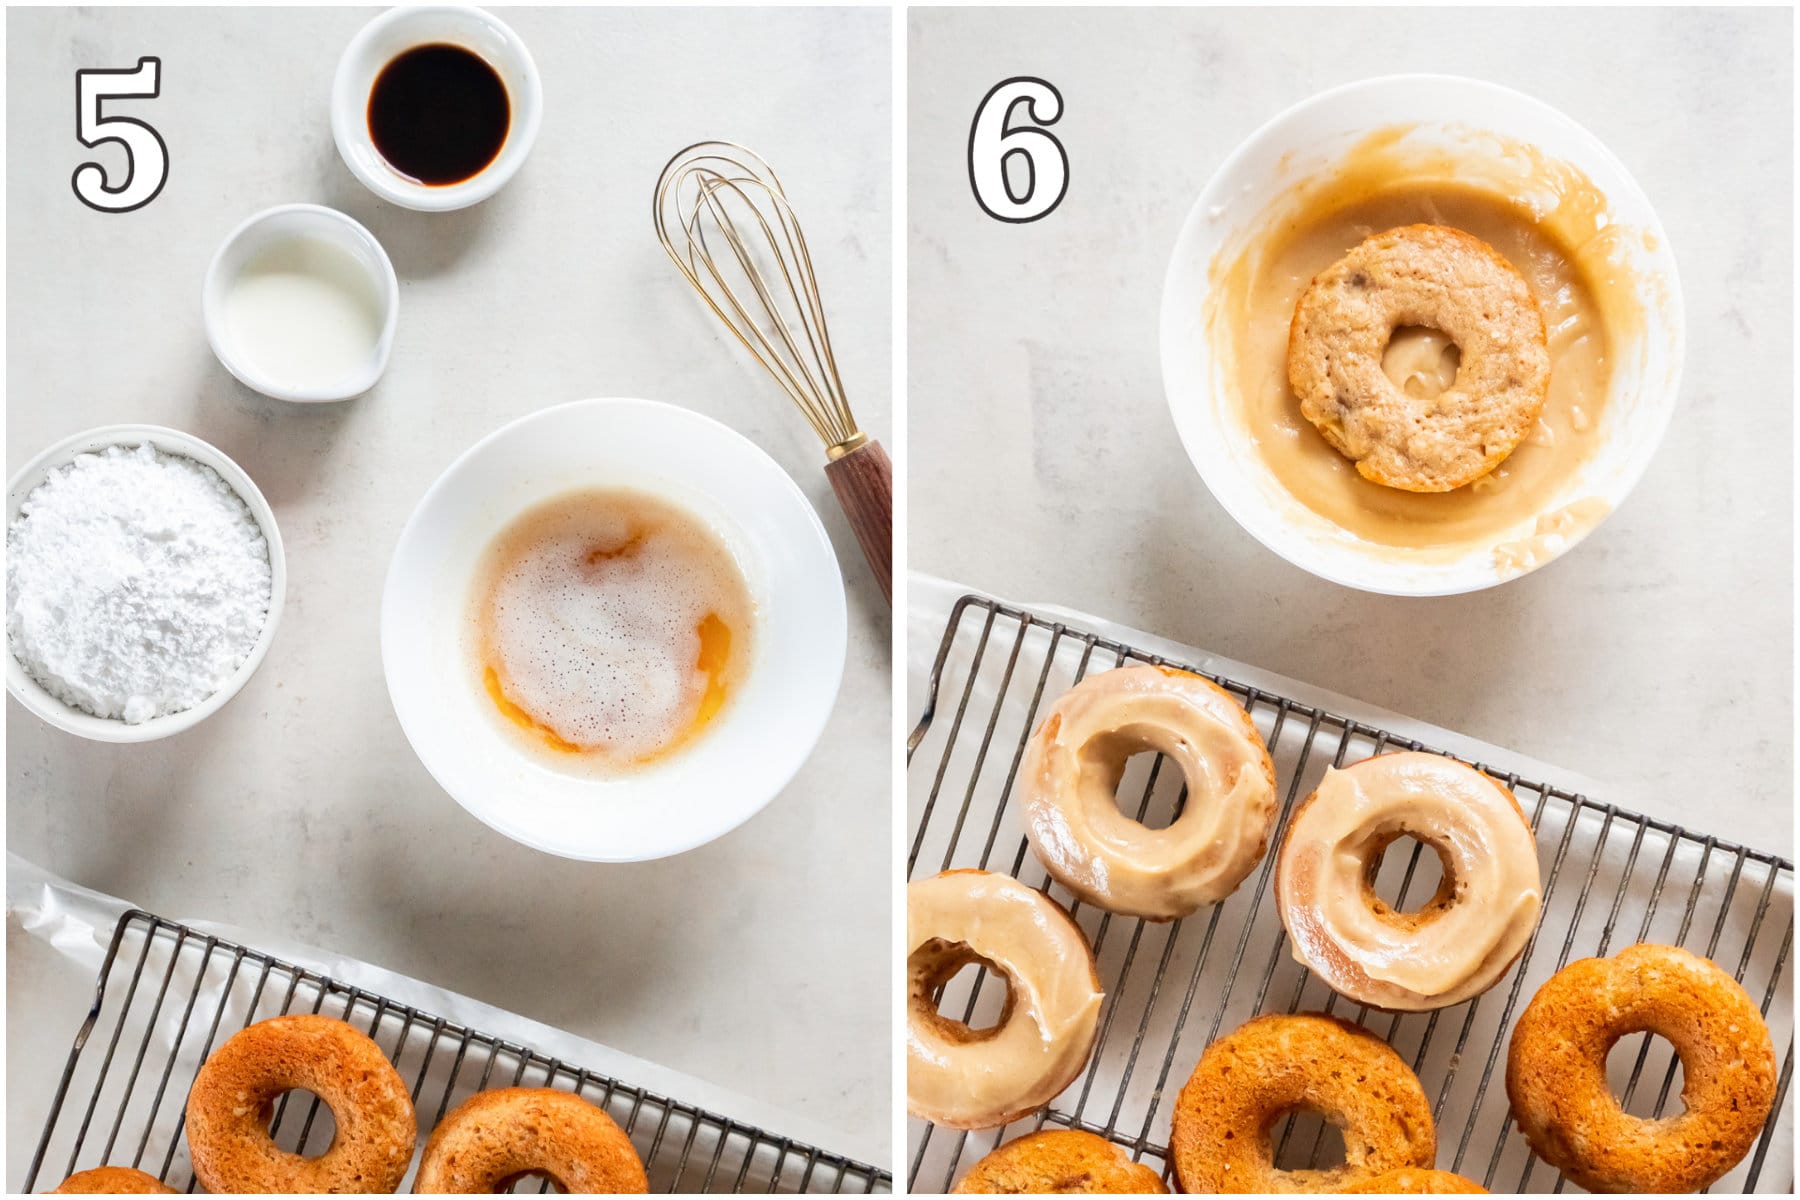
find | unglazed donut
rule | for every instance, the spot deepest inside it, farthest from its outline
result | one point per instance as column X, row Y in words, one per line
column 976, row 1079
column 495, row 1138
column 1417, row 1181
column 233, row 1098
column 112, row 1181
column 1464, row 938
column 1277, row 1064
column 1071, row 771
column 1065, row 1162
column 1434, row 277
column 1556, row 1071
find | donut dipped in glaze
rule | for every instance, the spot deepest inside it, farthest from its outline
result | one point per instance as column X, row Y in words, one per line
column 979, row 1078
column 1069, row 777
column 1464, row 938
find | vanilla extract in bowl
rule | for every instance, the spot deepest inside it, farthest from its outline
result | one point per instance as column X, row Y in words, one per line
column 439, row 114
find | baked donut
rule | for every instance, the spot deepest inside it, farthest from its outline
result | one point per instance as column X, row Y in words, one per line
column 1417, row 1181
column 1067, row 1162
column 1556, row 1071
column 1071, row 771
column 1277, row 1064
column 1438, row 278
column 979, row 1078
column 1462, row 940
column 233, row 1099
column 493, row 1139
column 112, row 1181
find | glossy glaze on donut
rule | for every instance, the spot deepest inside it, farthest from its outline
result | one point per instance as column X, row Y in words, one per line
column 231, row 1102
column 1556, row 1071
column 1069, row 777
column 979, row 1078
column 1463, row 939
column 495, row 1138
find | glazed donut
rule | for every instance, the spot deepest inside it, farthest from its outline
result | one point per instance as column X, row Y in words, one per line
column 233, row 1098
column 1417, row 1181
column 1464, row 938
column 1277, row 1064
column 976, row 1079
column 112, row 1181
column 1556, row 1071
column 493, row 1139
column 1437, row 278
column 1065, row 1162
column 1070, row 774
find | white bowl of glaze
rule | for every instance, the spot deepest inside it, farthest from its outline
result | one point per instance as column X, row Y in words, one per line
column 401, row 29
column 27, row 691
column 1304, row 141
column 269, row 228
column 745, row 755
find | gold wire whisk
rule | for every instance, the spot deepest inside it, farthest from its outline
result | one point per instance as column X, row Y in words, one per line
column 724, row 218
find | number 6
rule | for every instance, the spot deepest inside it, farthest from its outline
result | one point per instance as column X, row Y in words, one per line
column 991, row 143
column 146, row 157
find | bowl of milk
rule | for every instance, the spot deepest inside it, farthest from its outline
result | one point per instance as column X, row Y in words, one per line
column 300, row 304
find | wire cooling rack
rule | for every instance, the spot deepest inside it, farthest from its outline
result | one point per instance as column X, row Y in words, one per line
column 1611, row 878
column 169, row 994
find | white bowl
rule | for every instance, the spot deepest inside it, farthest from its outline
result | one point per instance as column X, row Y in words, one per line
column 398, row 30
column 279, row 224
column 746, row 754
column 28, row 692
column 1300, row 143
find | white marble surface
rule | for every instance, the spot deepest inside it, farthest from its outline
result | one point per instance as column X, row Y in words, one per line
column 1657, row 657
column 758, row 962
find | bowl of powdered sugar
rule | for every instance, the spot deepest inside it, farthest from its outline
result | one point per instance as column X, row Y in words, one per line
column 144, row 581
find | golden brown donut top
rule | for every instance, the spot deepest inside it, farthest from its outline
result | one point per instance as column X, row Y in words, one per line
column 978, row 1079
column 1070, row 775
column 1434, row 277
column 1416, row 1181
column 227, row 1114
column 1276, row 1064
column 1465, row 938
column 112, row 1181
column 1556, row 1071
column 493, row 1138
column 1059, row 1162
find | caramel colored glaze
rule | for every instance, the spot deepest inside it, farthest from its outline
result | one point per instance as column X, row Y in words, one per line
column 1548, row 220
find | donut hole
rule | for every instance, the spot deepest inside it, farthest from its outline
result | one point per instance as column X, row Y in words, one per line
column 1401, row 880
column 1304, row 1140
column 1147, row 788
column 968, row 997
column 293, row 1109
column 1421, row 361
column 1660, row 1062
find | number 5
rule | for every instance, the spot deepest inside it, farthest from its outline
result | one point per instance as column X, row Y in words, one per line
column 146, row 157
column 991, row 143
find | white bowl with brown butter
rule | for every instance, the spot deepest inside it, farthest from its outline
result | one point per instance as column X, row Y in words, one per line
column 1402, row 150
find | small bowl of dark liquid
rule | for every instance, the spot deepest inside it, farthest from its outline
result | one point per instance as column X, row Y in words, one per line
column 435, row 108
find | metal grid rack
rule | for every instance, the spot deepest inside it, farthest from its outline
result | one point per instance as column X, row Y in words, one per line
column 169, row 994
column 1611, row 878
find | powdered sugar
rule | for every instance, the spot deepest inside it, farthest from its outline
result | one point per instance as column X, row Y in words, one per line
column 137, row 582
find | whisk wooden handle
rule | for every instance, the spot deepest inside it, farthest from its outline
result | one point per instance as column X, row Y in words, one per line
column 864, row 482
